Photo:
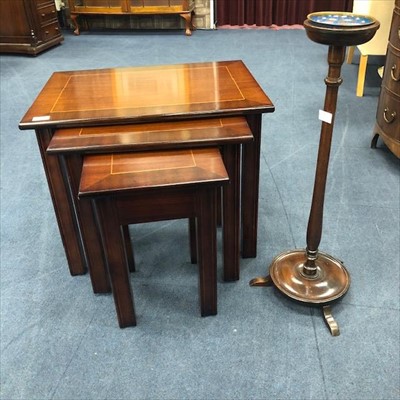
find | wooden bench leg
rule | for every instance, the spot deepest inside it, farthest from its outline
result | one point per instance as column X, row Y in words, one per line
column 117, row 266
column 74, row 19
column 188, row 23
column 207, row 250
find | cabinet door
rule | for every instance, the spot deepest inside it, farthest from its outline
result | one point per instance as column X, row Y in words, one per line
column 16, row 22
column 149, row 3
column 165, row 5
column 99, row 4
column 184, row 4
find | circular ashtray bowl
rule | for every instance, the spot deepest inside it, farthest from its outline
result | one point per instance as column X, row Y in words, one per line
column 340, row 28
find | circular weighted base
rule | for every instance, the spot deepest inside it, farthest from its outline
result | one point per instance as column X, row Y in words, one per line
column 330, row 282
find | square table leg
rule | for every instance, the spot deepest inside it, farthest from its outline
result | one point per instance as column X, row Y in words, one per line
column 231, row 213
column 91, row 240
column 64, row 209
column 250, row 187
column 117, row 266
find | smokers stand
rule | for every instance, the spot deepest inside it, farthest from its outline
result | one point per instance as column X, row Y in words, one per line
column 310, row 276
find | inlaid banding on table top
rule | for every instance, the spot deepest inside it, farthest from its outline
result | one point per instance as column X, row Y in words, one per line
column 142, row 89
column 151, row 162
column 151, row 128
column 143, row 94
column 148, row 136
column 108, row 173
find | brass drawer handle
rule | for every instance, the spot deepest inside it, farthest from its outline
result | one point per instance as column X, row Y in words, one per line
column 44, row 14
column 391, row 118
column 392, row 73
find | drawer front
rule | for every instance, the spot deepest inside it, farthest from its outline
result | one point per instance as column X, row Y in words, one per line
column 44, row 3
column 388, row 114
column 394, row 37
column 50, row 31
column 47, row 14
column 391, row 75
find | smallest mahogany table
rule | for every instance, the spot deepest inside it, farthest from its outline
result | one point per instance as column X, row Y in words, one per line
column 129, row 188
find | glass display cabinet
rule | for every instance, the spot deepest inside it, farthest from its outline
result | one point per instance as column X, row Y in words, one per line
column 183, row 8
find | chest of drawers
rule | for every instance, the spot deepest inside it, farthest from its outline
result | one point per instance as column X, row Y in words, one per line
column 388, row 113
column 28, row 26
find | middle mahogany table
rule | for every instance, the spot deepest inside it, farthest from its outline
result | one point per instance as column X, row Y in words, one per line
column 131, row 95
column 227, row 133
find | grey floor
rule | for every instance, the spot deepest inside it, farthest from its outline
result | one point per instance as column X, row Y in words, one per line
column 60, row 341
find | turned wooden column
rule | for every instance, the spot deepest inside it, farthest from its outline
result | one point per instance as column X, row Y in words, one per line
column 336, row 56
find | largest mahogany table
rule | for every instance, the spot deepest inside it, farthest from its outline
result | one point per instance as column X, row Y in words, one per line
column 147, row 94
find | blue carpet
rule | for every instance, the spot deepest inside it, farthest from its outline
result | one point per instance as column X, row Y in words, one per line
column 59, row 341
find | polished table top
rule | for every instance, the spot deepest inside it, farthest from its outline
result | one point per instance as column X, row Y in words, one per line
column 150, row 136
column 150, row 93
column 104, row 174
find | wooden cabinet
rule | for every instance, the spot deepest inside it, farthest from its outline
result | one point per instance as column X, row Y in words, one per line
column 184, row 8
column 28, row 26
column 388, row 114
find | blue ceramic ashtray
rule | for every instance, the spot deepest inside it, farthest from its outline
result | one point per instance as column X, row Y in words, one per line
column 340, row 19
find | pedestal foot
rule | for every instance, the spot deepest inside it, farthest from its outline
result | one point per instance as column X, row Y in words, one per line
column 330, row 282
column 330, row 321
column 374, row 141
column 261, row 281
